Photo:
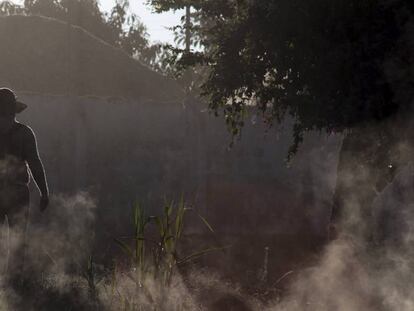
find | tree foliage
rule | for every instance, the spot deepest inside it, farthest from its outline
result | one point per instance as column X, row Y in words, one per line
column 9, row 8
column 330, row 65
column 182, row 60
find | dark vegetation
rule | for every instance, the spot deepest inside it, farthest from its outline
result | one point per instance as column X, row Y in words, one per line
column 324, row 63
column 330, row 66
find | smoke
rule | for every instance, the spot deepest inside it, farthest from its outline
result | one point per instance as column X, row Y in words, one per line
column 371, row 264
column 43, row 267
column 364, row 272
column 60, row 274
column 65, row 233
column 124, row 292
column 358, row 271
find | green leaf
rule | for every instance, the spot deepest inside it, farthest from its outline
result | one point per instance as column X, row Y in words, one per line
column 201, row 253
column 160, row 225
column 205, row 222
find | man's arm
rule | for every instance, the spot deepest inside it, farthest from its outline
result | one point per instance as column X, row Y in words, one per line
column 36, row 166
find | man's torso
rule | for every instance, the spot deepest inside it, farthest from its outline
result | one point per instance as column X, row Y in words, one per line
column 13, row 167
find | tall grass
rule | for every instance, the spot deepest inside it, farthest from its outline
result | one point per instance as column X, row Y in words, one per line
column 157, row 258
column 150, row 282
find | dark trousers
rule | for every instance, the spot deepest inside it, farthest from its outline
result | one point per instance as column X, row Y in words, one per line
column 14, row 206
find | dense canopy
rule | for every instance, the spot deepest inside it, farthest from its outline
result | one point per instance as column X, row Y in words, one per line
column 329, row 64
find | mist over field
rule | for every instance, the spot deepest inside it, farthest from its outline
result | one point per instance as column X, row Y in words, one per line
column 264, row 163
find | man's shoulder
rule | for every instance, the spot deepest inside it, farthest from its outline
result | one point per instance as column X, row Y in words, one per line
column 23, row 129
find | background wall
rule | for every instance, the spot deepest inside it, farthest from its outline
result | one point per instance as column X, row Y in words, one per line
column 124, row 151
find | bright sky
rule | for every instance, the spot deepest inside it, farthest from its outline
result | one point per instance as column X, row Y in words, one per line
column 156, row 23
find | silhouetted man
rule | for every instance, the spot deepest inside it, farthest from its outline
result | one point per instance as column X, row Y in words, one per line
column 18, row 152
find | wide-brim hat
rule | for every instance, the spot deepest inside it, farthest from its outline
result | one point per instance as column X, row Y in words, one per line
column 9, row 103
column 20, row 106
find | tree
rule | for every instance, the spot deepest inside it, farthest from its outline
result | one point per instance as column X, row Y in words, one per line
column 188, row 39
column 319, row 61
column 9, row 8
column 129, row 33
column 332, row 66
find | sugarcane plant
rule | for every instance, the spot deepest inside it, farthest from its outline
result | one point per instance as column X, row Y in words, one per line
column 158, row 257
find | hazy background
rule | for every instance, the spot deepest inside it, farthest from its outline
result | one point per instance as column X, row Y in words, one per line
column 114, row 131
column 156, row 24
